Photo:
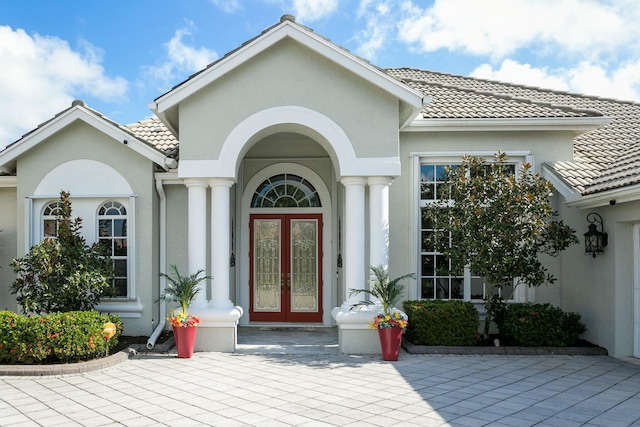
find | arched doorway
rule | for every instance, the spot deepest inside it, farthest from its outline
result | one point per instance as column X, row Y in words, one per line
column 287, row 210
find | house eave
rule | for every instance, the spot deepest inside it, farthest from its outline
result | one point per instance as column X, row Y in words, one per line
column 8, row 181
column 569, row 194
column 607, row 198
column 9, row 156
column 406, row 95
column 577, row 125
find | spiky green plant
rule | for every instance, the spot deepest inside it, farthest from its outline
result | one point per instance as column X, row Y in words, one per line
column 386, row 290
column 182, row 289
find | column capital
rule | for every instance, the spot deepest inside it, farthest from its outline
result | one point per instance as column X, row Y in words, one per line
column 353, row 180
column 379, row 180
column 195, row 182
column 221, row 182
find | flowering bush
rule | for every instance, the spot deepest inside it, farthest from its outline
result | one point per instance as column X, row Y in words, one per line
column 54, row 338
column 180, row 319
column 396, row 319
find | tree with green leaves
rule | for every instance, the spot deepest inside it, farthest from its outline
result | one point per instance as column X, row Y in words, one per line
column 497, row 223
column 63, row 273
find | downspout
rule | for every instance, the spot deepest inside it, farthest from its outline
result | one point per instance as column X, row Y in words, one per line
column 151, row 342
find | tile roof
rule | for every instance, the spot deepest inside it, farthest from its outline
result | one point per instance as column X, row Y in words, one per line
column 155, row 133
column 162, row 141
column 604, row 159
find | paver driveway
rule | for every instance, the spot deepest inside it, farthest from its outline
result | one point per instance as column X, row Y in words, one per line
column 326, row 390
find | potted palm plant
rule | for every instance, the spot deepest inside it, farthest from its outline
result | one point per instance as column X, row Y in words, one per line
column 391, row 322
column 183, row 290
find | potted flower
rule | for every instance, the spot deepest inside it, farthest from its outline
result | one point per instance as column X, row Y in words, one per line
column 391, row 322
column 183, row 290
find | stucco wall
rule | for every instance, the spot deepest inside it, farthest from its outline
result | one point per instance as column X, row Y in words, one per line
column 8, row 246
column 81, row 141
column 289, row 74
column 601, row 289
column 177, row 226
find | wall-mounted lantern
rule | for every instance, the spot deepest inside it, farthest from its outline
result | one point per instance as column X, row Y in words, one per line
column 595, row 240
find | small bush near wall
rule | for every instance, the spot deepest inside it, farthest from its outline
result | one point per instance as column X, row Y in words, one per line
column 452, row 323
column 55, row 338
column 538, row 325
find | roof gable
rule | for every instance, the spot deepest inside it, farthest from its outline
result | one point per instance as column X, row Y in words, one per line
column 165, row 106
column 78, row 111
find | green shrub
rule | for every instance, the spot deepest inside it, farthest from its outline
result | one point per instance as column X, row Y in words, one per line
column 63, row 273
column 442, row 322
column 55, row 338
column 538, row 325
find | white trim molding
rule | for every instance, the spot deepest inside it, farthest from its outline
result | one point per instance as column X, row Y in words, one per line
column 578, row 125
column 302, row 120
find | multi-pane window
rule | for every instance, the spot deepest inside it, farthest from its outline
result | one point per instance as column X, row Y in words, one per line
column 286, row 191
column 437, row 280
column 112, row 233
column 50, row 217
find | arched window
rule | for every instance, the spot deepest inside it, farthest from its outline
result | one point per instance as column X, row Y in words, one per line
column 112, row 232
column 285, row 191
column 50, row 217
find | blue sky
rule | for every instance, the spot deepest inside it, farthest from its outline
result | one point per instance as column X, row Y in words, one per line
column 118, row 55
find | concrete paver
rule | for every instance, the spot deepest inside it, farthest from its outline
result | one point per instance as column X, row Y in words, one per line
column 299, row 379
column 306, row 389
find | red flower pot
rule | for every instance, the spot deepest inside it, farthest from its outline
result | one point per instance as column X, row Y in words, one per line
column 185, row 340
column 390, row 340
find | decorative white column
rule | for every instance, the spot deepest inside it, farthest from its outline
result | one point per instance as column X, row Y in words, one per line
column 379, row 220
column 220, row 242
column 219, row 319
column 354, row 334
column 354, row 238
column 197, row 236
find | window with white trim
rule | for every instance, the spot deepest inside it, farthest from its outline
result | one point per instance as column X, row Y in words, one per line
column 50, row 217
column 437, row 281
column 112, row 233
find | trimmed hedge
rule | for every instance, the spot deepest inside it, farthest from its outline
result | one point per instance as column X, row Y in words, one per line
column 538, row 325
column 436, row 322
column 55, row 338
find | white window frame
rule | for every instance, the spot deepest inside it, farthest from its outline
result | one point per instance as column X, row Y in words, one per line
column 522, row 293
column 129, row 306
column 111, row 238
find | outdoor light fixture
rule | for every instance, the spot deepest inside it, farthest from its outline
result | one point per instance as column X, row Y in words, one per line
column 595, row 240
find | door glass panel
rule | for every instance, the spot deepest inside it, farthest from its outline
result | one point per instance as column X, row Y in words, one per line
column 267, row 265
column 304, row 276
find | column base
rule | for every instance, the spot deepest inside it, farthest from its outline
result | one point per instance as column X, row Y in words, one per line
column 218, row 329
column 354, row 334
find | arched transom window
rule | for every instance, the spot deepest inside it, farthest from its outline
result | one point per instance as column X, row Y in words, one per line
column 50, row 217
column 286, row 191
column 112, row 232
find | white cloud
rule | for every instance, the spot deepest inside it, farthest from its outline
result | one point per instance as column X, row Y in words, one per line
column 181, row 58
column 307, row 11
column 379, row 23
column 42, row 75
column 498, row 28
column 229, row 6
column 586, row 78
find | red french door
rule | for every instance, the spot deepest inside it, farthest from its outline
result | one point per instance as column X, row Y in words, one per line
column 286, row 274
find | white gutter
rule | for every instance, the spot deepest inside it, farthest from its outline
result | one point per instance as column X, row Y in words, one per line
column 606, row 198
column 578, row 125
column 151, row 342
